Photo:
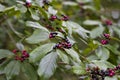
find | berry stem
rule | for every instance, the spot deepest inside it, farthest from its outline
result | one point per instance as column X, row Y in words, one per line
column 116, row 39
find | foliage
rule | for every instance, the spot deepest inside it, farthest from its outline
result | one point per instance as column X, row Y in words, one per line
column 45, row 39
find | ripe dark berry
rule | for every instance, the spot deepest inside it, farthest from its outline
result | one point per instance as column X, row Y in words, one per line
column 108, row 22
column 53, row 17
column 28, row 4
column 63, row 44
column 104, row 42
column 107, row 36
column 52, row 34
column 15, row 51
column 65, row 18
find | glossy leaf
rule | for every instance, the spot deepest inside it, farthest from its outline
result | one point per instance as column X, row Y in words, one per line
column 2, row 7
column 35, row 25
column 12, row 69
column 34, row 14
column 111, row 78
column 96, row 32
column 52, row 11
column 79, row 70
column 5, row 53
column 103, row 64
column 38, row 36
column 91, row 22
column 63, row 56
column 72, row 53
column 29, row 71
column 102, row 53
column 48, row 65
column 40, row 52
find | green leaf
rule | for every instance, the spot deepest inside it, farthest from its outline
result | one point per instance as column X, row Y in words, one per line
column 79, row 70
column 40, row 52
column 63, row 56
column 70, row 3
column 12, row 69
column 91, row 22
column 111, row 78
column 3, row 65
column 38, row 36
column 113, row 49
column 9, row 9
column 48, row 65
column 35, row 25
column 102, row 53
column 103, row 64
column 52, row 11
column 2, row 7
column 117, row 30
column 20, row 46
column 73, row 54
column 22, row 8
column 43, row 12
column 34, row 14
column 98, row 31
column 29, row 71
column 72, row 26
column 5, row 53
column 97, row 4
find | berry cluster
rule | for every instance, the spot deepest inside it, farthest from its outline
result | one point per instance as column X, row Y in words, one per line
column 52, row 34
column 64, row 44
column 20, row 55
column 106, row 40
column 97, row 74
column 54, row 17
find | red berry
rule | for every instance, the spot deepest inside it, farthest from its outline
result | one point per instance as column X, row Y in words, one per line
column 52, row 18
column 108, row 22
column 65, row 18
column 17, row 58
column 15, row 51
column 104, row 42
column 107, row 36
column 52, row 34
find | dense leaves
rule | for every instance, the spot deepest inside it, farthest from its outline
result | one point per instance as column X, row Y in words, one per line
column 56, row 40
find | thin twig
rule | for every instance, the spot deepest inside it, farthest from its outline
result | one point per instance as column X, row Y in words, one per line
column 12, row 28
column 10, row 36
